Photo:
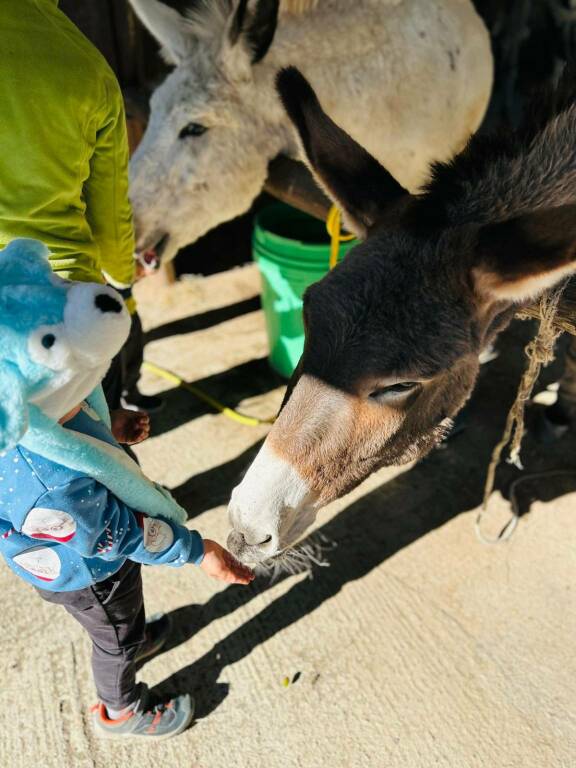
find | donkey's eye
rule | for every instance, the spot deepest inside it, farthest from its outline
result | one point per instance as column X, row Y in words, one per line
column 192, row 129
column 393, row 390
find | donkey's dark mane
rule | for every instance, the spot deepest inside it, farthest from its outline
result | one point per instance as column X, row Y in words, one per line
column 454, row 180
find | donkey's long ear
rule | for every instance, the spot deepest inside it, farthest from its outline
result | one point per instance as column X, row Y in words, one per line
column 520, row 258
column 168, row 27
column 348, row 173
column 256, row 29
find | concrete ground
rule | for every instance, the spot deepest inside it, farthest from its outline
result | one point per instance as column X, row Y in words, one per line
column 418, row 646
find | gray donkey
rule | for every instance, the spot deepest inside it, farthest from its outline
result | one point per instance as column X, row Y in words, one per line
column 393, row 334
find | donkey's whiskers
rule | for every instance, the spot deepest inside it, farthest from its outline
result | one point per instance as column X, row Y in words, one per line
column 301, row 559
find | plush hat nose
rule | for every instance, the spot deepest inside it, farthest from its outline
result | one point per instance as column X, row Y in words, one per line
column 106, row 303
column 97, row 322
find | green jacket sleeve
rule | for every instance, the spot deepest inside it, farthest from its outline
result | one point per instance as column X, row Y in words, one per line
column 106, row 193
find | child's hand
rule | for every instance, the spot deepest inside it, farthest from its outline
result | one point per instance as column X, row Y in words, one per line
column 220, row 564
column 130, row 427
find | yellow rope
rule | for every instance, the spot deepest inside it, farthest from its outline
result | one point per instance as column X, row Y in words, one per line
column 249, row 421
column 334, row 227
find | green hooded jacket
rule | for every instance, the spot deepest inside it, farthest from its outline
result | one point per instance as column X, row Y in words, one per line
column 63, row 145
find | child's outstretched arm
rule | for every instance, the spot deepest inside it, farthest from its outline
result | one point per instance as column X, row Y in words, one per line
column 85, row 516
column 220, row 564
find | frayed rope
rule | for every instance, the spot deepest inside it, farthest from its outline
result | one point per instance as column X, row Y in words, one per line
column 540, row 352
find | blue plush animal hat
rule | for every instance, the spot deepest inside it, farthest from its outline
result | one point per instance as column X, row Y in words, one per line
column 57, row 340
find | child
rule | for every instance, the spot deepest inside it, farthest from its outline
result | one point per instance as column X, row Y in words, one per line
column 77, row 517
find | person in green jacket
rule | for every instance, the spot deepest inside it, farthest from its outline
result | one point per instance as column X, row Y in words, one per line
column 63, row 146
column 64, row 161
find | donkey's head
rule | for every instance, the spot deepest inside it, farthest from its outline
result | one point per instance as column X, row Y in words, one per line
column 201, row 160
column 393, row 334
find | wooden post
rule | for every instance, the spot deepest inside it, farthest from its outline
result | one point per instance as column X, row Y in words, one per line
column 292, row 183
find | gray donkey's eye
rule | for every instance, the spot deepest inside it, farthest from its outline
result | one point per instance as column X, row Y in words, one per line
column 192, row 129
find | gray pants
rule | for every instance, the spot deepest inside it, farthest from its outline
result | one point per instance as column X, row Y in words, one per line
column 112, row 612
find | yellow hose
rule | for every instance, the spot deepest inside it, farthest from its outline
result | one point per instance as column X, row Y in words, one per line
column 248, row 421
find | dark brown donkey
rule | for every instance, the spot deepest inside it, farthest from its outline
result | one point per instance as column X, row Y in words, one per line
column 393, row 334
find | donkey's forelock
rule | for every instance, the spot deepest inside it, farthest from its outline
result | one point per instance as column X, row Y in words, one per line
column 208, row 21
column 218, row 26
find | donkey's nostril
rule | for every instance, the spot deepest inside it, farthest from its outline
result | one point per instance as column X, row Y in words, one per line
column 106, row 303
column 236, row 542
column 267, row 540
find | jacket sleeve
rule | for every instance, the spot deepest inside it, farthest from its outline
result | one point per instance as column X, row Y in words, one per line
column 106, row 192
column 85, row 516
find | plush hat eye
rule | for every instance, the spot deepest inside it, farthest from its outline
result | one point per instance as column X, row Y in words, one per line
column 48, row 340
column 48, row 346
column 393, row 390
column 192, row 129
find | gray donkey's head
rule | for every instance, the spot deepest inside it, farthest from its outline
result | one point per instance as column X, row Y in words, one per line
column 393, row 334
column 203, row 158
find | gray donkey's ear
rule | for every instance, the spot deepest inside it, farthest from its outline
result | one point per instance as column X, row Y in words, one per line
column 168, row 27
column 258, row 28
column 520, row 258
column 349, row 174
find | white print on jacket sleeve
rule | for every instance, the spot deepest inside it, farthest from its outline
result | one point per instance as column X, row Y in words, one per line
column 158, row 535
column 42, row 562
column 50, row 524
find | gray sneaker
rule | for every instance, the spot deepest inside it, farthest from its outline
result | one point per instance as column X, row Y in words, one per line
column 150, row 719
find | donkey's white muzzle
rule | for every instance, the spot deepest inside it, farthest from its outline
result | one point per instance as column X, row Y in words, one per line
column 270, row 508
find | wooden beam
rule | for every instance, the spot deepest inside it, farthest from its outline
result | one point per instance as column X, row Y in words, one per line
column 292, row 183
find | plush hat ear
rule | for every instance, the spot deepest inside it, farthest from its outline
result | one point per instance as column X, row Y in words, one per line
column 25, row 261
column 520, row 258
column 13, row 406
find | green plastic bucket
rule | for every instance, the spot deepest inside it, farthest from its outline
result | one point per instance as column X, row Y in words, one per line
column 292, row 250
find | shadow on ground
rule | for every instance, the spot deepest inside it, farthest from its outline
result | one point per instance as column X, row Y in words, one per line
column 375, row 527
column 211, row 488
column 203, row 320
